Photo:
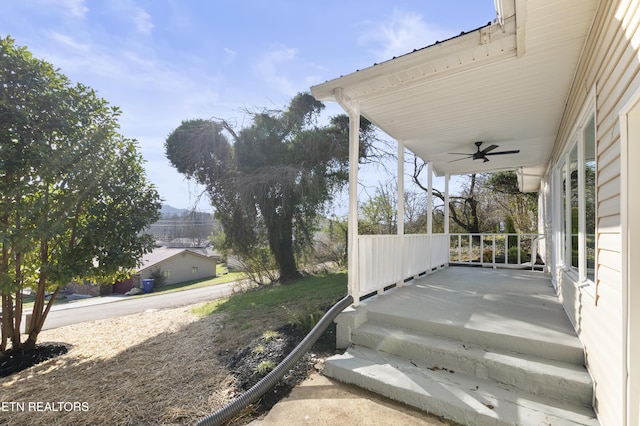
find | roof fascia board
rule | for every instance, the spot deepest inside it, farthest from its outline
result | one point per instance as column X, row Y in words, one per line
column 442, row 56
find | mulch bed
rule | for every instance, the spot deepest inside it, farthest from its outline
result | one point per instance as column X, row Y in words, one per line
column 243, row 364
column 15, row 360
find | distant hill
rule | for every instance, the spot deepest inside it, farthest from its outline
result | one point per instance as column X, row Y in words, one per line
column 183, row 226
column 167, row 210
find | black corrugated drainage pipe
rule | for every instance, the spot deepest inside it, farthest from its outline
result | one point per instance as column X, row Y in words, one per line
column 234, row 407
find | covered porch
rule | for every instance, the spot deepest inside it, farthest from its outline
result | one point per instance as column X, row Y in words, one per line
column 477, row 345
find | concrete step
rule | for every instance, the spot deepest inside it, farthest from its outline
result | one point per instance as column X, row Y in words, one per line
column 451, row 394
column 568, row 350
column 539, row 376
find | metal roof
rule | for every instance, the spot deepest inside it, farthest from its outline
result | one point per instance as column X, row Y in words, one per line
column 504, row 84
column 160, row 254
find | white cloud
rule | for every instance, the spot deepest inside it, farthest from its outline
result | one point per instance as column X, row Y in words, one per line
column 403, row 33
column 76, row 8
column 230, row 55
column 155, row 95
column 139, row 17
column 272, row 65
column 142, row 20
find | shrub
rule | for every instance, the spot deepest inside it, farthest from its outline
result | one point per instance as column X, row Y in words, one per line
column 513, row 255
column 305, row 323
column 270, row 335
column 158, row 277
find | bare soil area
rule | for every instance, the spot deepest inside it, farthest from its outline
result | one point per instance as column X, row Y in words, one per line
column 157, row 367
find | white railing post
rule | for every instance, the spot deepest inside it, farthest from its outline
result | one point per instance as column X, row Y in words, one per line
column 446, row 203
column 430, row 198
column 446, row 215
column 400, row 214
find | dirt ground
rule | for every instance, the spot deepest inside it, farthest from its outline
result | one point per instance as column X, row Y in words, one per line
column 157, row 367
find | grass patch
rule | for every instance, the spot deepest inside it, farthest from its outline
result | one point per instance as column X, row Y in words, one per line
column 305, row 294
column 250, row 313
column 206, row 282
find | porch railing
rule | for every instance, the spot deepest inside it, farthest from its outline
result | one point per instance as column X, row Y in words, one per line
column 497, row 250
column 387, row 260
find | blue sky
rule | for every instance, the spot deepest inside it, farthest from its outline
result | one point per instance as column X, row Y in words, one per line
column 164, row 61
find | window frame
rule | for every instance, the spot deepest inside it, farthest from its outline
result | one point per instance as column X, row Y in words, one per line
column 578, row 142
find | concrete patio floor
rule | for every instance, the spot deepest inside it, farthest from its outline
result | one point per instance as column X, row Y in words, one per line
column 475, row 302
column 322, row 401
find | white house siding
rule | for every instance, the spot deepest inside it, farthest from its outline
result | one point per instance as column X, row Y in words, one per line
column 610, row 65
column 180, row 267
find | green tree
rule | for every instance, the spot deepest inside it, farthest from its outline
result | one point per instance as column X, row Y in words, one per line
column 271, row 178
column 463, row 208
column 521, row 208
column 486, row 200
column 74, row 196
column 378, row 215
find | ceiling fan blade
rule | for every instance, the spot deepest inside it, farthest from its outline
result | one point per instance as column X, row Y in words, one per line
column 515, row 151
column 459, row 153
column 485, row 160
column 487, row 149
column 458, row 159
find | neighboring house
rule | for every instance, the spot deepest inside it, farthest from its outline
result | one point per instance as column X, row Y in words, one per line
column 176, row 264
column 560, row 82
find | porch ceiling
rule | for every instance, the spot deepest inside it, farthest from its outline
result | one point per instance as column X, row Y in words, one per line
column 504, row 85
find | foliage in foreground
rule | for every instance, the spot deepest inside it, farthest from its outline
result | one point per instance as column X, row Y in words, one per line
column 74, row 197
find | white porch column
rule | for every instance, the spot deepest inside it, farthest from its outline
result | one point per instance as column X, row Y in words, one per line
column 353, row 109
column 430, row 198
column 400, row 207
column 447, row 177
column 400, row 217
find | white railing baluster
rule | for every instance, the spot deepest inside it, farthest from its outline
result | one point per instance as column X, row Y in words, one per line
column 385, row 260
column 493, row 250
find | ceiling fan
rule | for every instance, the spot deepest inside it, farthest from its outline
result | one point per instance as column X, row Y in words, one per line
column 482, row 154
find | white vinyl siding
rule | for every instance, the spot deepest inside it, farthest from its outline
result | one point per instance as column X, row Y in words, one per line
column 610, row 73
column 184, row 266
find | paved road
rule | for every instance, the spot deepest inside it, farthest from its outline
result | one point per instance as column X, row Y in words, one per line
column 89, row 310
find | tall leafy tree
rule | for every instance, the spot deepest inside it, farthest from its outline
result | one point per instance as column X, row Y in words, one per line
column 271, row 179
column 519, row 207
column 486, row 200
column 73, row 193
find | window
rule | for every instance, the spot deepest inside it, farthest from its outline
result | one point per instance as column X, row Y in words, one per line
column 572, row 204
column 589, row 139
column 578, row 203
column 194, row 270
column 563, row 214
